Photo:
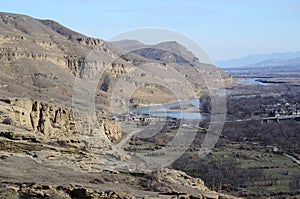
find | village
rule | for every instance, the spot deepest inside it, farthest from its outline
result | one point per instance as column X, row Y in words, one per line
column 151, row 120
column 280, row 109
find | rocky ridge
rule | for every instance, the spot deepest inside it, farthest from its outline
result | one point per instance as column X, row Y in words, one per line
column 28, row 43
column 50, row 120
column 54, row 149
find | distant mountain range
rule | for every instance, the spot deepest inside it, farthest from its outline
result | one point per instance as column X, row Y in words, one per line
column 274, row 65
column 278, row 64
column 260, row 60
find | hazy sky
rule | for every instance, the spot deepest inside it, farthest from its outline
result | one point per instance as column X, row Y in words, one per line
column 225, row 28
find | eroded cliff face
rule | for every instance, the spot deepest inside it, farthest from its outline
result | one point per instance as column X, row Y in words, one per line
column 49, row 51
column 51, row 120
column 66, row 153
column 68, row 158
column 45, row 55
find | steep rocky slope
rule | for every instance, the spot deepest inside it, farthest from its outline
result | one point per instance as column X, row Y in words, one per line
column 49, row 120
column 43, row 155
column 200, row 76
column 49, row 149
column 45, row 57
column 42, row 58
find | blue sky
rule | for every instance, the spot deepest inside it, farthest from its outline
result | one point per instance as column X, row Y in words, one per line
column 225, row 28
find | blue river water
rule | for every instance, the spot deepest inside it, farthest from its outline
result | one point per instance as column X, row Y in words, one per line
column 156, row 110
column 251, row 81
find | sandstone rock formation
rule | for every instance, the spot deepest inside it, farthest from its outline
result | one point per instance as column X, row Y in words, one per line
column 50, row 120
column 52, row 149
column 45, row 58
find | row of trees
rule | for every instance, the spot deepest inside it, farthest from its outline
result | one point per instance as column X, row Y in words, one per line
column 217, row 173
column 284, row 134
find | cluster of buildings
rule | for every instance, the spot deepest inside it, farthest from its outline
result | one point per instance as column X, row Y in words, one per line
column 136, row 117
column 281, row 109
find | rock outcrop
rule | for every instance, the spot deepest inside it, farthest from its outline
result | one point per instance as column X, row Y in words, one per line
column 111, row 129
column 50, row 120
column 49, row 150
column 51, row 191
column 158, row 185
column 30, row 47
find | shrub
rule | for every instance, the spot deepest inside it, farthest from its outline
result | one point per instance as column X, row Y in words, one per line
column 7, row 121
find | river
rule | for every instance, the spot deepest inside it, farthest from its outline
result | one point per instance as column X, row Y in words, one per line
column 165, row 110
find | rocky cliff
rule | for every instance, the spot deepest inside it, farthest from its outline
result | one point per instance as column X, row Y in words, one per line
column 50, row 120
column 46, row 57
column 50, row 150
column 45, row 155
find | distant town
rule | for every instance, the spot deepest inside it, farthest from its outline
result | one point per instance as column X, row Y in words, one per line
column 282, row 108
